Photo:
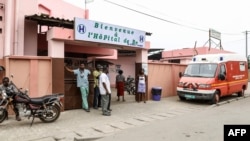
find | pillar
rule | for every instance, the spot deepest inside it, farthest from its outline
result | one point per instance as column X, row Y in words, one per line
column 56, row 52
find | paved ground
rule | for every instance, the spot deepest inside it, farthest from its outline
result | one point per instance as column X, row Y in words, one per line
column 205, row 125
column 80, row 125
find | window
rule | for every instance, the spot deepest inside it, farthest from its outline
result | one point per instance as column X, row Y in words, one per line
column 223, row 69
column 201, row 70
column 1, row 31
column 1, row 18
column 242, row 66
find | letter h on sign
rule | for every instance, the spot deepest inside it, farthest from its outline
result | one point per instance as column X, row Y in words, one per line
column 81, row 28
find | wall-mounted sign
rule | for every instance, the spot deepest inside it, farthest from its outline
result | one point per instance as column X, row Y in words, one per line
column 94, row 31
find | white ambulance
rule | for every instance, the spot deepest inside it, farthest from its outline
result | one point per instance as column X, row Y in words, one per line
column 211, row 76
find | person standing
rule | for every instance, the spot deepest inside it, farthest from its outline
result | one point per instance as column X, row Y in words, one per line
column 141, row 85
column 97, row 96
column 105, row 91
column 120, row 81
column 82, row 82
column 109, row 103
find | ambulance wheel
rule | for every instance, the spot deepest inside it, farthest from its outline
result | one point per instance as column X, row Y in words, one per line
column 216, row 98
column 241, row 93
column 182, row 98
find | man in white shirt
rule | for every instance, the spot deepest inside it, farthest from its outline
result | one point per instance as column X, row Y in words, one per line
column 105, row 91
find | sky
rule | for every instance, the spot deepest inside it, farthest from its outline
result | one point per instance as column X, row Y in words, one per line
column 177, row 24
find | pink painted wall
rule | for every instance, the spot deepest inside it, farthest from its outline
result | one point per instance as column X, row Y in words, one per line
column 164, row 75
column 21, row 40
column 59, row 8
column 147, row 45
column 16, row 37
column 18, row 41
column 127, row 65
column 30, row 40
column 1, row 34
column 34, row 74
column 2, row 73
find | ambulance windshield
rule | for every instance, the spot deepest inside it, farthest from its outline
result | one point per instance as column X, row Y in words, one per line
column 200, row 70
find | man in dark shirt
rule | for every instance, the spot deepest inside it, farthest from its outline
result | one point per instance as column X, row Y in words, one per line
column 10, row 89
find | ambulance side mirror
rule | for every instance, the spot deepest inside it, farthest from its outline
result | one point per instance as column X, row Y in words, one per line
column 2, row 68
column 221, row 76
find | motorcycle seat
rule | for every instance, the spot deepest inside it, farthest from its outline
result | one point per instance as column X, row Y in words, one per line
column 43, row 99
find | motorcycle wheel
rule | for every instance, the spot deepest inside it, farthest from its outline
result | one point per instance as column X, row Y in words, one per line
column 133, row 90
column 52, row 114
column 3, row 115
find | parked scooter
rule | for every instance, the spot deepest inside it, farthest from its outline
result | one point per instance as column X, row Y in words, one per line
column 46, row 108
column 130, row 85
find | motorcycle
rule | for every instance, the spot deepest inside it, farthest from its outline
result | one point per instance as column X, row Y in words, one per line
column 130, row 85
column 46, row 108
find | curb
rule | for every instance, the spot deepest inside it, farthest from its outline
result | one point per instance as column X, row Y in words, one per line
column 86, row 139
column 231, row 100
